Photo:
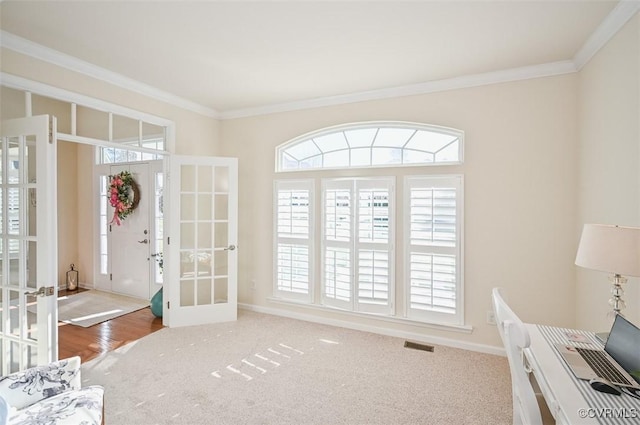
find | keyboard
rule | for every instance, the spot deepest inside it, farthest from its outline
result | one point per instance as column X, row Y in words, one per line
column 602, row 366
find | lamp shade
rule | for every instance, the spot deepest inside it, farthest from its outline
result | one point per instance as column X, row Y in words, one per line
column 611, row 249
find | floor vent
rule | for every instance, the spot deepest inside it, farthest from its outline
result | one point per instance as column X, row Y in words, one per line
column 416, row 346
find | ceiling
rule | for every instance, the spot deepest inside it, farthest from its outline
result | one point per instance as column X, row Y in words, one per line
column 236, row 55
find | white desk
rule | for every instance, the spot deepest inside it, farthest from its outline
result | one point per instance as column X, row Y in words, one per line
column 570, row 400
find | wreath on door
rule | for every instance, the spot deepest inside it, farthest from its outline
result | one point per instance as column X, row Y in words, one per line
column 124, row 195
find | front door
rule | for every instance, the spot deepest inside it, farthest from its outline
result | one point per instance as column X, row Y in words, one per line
column 28, row 243
column 131, row 240
column 200, row 250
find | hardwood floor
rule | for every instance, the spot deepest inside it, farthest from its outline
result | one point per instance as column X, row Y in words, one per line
column 89, row 343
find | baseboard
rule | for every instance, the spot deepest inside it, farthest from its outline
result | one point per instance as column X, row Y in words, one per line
column 448, row 342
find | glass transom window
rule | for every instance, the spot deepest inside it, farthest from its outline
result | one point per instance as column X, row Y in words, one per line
column 374, row 144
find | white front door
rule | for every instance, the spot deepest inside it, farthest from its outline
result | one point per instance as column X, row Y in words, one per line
column 131, row 241
column 200, row 248
column 28, row 243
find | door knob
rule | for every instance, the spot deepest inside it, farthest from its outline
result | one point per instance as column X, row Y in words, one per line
column 230, row 248
column 144, row 241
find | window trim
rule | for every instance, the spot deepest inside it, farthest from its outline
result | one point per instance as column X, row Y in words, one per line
column 281, row 149
column 398, row 319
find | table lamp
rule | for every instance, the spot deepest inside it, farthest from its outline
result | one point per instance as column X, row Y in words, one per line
column 611, row 249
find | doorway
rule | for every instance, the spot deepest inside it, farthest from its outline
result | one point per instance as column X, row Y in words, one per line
column 120, row 133
column 130, row 250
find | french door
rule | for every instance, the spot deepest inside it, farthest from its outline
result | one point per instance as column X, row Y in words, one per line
column 28, row 243
column 200, row 252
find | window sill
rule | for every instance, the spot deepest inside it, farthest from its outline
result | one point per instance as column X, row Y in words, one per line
column 389, row 319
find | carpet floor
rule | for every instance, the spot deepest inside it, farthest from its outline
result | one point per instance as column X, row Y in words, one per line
column 265, row 369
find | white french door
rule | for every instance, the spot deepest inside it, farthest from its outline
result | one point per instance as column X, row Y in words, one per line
column 200, row 250
column 28, row 243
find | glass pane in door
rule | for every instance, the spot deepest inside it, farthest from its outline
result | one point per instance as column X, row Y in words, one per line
column 14, row 307
column 32, row 271
column 204, row 291
column 187, row 293
column 222, row 179
column 205, row 179
column 32, row 318
column 221, row 290
column 221, row 207
column 13, row 159
column 221, row 234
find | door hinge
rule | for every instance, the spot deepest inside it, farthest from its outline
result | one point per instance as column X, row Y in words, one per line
column 110, row 228
column 110, row 276
column 168, row 240
column 168, row 305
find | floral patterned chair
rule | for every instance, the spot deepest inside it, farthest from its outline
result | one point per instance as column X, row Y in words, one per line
column 51, row 394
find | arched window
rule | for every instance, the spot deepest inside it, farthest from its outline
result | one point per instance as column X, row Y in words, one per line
column 347, row 258
column 372, row 144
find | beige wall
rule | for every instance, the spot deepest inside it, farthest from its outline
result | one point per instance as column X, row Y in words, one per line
column 520, row 204
column 609, row 158
column 68, row 212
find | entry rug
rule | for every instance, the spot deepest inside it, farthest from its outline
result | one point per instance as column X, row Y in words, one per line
column 88, row 308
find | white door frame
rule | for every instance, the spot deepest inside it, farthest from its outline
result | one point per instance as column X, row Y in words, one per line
column 102, row 281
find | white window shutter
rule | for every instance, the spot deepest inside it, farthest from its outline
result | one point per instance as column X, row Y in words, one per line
column 337, row 243
column 293, row 239
column 433, row 231
column 358, row 256
column 374, row 245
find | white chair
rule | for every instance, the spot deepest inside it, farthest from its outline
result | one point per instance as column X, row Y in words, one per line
column 529, row 408
column 50, row 394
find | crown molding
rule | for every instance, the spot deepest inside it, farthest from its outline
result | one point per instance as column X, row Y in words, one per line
column 38, row 51
column 467, row 81
column 618, row 17
column 615, row 20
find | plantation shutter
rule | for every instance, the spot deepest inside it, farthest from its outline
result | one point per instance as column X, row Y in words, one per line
column 293, row 239
column 374, row 247
column 434, row 209
column 337, row 249
column 357, row 244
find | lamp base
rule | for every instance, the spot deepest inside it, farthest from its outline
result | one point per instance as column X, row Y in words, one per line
column 617, row 291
